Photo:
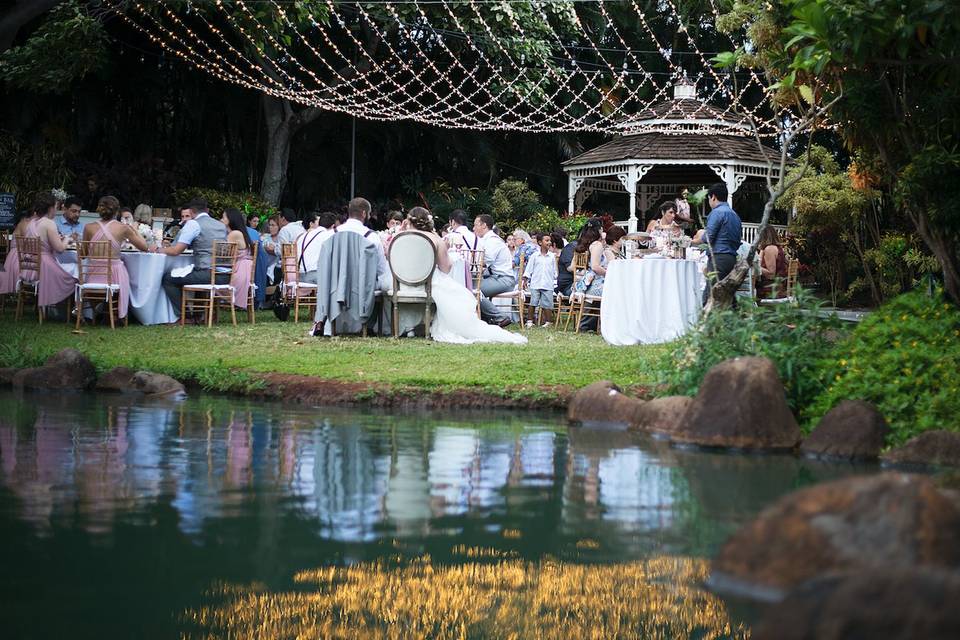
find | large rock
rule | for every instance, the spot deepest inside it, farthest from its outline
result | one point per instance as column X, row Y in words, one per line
column 603, row 402
column 6, row 375
column 890, row 520
column 852, row 430
column 663, row 415
column 117, row 379
column 741, row 404
column 66, row 370
column 893, row 605
column 156, row 384
column 933, row 448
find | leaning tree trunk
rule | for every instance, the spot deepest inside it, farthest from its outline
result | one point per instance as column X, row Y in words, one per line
column 944, row 249
column 282, row 124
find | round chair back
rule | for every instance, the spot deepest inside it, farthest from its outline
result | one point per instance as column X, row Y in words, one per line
column 412, row 257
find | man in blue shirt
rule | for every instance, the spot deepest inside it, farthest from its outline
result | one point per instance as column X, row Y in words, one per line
column 68, row 224
column 722, row 234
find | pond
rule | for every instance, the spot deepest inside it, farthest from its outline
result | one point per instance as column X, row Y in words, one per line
column 216, row 517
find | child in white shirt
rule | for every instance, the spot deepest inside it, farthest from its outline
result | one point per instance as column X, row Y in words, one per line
column 541, row 276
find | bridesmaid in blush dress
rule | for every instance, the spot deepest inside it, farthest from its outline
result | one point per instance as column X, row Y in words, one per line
column 56, row 284
column 11, row 268
column 108, row 229
column 242, row 270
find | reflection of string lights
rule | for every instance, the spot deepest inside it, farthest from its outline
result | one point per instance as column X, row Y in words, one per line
column 657, row 598
column 417, row 74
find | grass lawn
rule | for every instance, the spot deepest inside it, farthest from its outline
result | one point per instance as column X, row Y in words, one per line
column 227, row 357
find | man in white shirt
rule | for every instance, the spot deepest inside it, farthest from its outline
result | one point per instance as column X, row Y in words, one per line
column 498, row 274
column 290, row 227
column 309, row 244
column 358, row 210
column 462, row 236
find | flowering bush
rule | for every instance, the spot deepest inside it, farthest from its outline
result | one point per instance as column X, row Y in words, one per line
column 904, row 358
column 792, row 335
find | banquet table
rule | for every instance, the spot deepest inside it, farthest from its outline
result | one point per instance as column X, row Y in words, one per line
column 149, row 304
column 649, row 301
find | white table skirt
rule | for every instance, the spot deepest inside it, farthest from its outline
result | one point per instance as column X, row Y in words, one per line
column 149, row 304
column 649, row 301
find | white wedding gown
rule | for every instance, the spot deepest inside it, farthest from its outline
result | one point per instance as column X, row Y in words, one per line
column 456, row 320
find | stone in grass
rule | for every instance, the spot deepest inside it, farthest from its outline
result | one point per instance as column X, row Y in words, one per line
column 156, row 384
column 117, row 379
column 663, row 415
column 68, row 369
column 741, row 404
column 603, row 402
column 852, row 430
column 6, row 375
column 932, row 448
column 897, row 604
column 885, row 521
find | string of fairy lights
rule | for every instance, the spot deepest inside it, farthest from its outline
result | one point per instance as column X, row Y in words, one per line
column 528, row 65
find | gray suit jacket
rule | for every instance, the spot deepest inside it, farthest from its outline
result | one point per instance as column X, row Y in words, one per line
column 346, row 279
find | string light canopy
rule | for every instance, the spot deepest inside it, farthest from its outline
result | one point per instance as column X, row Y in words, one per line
column 522, row 65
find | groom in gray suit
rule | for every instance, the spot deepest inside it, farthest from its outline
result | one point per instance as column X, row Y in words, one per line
column 198, row 234
column 498, row 276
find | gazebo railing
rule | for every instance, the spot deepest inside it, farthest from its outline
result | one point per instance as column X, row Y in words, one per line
column 748, row 231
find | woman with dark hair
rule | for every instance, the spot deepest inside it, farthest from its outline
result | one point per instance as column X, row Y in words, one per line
column 55, row 284
column 602, row 252
column 456, row 321
column 773, row 264
column 253, row 221
column 108, row 229
column 243, row 267
column 11, row 268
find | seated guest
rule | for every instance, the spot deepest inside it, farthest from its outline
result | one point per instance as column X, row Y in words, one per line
column 358, row 210
column 143, row 214
column 526, row 247
column 773, row 264
column 602, row 252
column 55, row 283
column 270, row 243
column 198, row 233
column 260, row 275
column 461, row 236
column 565, row 275
column 394, row 222
column 309, row 244
column 667, row 222
column 253, row 222
column 126, row 216
column 290, row 227
column 68, row 224
column 11, row 267
column 498, row 276
column 108, row 229
column 242, row 269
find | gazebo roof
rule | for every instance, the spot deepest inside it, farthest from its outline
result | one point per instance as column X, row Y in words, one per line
column 682, row 146
column 684, row 114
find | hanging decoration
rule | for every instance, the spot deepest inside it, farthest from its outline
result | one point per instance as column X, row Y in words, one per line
column 522, row 65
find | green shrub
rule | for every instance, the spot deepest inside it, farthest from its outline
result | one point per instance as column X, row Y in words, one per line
column 220, row 200
column 792, row 335
column 514, row 203
column 905, row 359
column 548, row 219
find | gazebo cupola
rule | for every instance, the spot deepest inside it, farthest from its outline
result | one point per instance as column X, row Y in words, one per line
column 675, row 144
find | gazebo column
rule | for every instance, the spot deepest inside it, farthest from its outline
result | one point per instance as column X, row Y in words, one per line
column 573, row 185
column 629, row 180
column 728, row 174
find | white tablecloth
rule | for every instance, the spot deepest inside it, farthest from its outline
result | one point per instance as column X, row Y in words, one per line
column 649, row 301
column 148, row 302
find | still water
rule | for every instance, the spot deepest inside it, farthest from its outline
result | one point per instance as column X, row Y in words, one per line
column 216, row 517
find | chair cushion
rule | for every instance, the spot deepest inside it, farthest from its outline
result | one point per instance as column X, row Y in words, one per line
column 98, row 286
column 206, row 287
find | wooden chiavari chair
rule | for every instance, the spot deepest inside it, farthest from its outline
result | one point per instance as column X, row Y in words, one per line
column 205, row 298
column 301, row 293
column 95, row 279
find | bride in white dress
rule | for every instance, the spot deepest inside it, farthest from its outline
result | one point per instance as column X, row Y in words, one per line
column 456, row 320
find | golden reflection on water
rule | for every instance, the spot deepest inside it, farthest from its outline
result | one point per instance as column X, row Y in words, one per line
column 657, row 598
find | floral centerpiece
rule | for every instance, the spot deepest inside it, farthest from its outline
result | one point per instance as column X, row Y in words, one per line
column 60, row 195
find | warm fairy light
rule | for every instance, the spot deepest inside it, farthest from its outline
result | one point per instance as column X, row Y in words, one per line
column 657, row 599
column 417, row 75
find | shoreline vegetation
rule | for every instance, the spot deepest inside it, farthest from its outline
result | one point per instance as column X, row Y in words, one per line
column 277, row 361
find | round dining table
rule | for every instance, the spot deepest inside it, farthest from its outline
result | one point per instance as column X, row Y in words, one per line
column 650, row 300
column 149, row 303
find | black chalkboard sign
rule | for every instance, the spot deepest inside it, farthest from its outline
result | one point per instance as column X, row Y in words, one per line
column 7, row 211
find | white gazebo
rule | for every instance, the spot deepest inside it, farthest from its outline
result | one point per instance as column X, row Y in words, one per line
column 673, row 145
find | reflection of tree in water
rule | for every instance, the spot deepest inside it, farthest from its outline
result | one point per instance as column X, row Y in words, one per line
column 503, row 598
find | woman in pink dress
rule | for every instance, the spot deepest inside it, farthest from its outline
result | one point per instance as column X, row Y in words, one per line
column 11, row 268
column 56, row 284
column 243, row 268
column 108, row 229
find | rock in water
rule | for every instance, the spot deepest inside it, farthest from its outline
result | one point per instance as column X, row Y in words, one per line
column 117, row 379
column 933, row 448
column 64, row 371
column 663, row 415
column 852, row 430
column 603, row 402
column 156, row 384
column 741, row 404
column 885, row 521
column 893, row 605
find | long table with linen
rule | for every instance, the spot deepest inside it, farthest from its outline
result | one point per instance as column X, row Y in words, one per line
column 649, row 301
column 149, row 304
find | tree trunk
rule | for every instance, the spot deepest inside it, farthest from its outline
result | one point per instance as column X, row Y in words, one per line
column 282, row 124
column 944, row 249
